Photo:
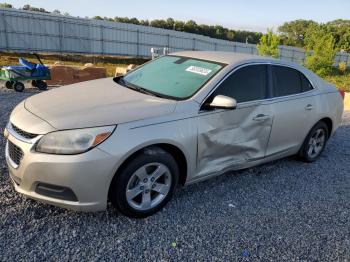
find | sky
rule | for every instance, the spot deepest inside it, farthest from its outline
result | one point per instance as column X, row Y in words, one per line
column 254, row 15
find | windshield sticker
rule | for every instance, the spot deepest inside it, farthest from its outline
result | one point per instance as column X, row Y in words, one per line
column 198, row 70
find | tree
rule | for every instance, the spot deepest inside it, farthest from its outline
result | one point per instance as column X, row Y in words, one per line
column 159, row 23
column 320, row 49
column 179, row 26
column 340, row 30
column 268, row 44
column 5, row 5
column 34, row 9
column 293, row 33
column 144, row 22
column 191, row 27
column 170, row 23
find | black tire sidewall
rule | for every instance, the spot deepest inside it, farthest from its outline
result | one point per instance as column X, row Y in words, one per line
column 9, row 84
column 41, row 85
column 119, row 184
column 303, row 153
column 18, row 86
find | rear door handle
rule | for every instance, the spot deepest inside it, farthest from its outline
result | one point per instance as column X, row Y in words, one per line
column 309, row 107
column 261, row 117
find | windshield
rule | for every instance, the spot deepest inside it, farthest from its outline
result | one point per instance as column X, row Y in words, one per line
column 172, row 76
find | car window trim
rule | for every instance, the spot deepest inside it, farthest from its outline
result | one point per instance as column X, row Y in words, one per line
column 235, row 69
column 270, row 82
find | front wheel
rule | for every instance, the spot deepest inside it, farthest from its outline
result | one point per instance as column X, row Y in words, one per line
column 145, row 184
column 18, row 86
column 314, row 143
column 9, row 84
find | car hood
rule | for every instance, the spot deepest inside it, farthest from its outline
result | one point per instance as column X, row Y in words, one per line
column 95, row 103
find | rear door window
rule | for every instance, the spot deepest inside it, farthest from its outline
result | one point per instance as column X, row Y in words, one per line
column 288, row 81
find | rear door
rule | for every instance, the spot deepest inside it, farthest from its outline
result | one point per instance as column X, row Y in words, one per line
column 293, row 105
column 230, row 137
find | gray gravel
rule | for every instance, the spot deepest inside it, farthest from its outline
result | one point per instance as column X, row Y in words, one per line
column 284, row 211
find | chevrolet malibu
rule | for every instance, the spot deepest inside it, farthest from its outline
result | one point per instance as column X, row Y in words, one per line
column 179, row 119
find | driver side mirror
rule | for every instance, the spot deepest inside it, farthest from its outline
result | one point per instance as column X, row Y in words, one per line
column 223, row 102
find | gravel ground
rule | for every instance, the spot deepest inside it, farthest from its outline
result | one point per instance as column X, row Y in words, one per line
column 284, row 211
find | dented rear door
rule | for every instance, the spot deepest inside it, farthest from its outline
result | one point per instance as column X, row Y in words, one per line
column 231, row 137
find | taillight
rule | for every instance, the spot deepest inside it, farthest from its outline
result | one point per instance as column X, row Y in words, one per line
column 342, row 93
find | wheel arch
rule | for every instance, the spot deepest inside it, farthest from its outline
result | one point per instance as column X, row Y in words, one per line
column 329, row 123
column 172, row 149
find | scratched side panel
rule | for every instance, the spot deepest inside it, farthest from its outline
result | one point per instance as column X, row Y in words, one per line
column 231, row 137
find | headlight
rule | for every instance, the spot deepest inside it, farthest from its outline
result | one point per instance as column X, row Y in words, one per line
column 72, row 142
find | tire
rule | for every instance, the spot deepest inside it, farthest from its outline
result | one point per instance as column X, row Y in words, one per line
column 144, row 177
column 18, row 86
column 41, row 85
column 9, row 84
column 314, row 143
column 34, row 84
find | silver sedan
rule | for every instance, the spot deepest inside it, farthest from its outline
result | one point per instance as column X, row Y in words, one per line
column 179, row 119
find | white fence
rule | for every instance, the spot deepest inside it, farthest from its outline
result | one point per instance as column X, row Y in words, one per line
column 26, row 31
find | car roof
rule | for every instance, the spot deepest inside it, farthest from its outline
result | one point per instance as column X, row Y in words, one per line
column 225, row 57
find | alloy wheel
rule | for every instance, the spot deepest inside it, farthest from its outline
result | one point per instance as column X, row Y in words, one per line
column 148, row 186
column 316, row 143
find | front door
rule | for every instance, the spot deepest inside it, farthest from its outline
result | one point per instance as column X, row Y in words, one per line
column 230, row 137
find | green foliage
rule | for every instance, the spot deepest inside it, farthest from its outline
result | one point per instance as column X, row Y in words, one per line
column 268, row 44
column 35, row 9
column 214, row 31
column 340, row 80
column 342, row 67
column 5, row 5
column 293, row 33
column 320, row 49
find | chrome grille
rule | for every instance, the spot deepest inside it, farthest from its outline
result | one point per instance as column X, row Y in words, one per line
column 23, row 133
column 15, row 153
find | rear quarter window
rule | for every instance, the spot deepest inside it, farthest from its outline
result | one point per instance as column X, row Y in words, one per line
column 289, row 81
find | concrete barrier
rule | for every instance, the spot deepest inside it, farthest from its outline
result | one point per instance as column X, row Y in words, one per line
column 347, row 101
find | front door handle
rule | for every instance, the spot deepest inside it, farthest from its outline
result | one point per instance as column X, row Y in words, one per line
column 309, row 107
column 261, row 117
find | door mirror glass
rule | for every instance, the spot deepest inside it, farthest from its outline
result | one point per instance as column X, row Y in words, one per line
column 223, row 102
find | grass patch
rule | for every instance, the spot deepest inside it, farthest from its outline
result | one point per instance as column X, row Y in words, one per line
column 340, row 80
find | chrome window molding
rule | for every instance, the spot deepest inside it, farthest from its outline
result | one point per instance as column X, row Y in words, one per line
column 266, row 99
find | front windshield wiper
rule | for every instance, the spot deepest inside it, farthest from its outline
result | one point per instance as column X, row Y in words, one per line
column 122, row 82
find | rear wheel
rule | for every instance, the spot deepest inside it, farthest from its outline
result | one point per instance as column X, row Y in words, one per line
column 146, row 183
column 41, row 85
column 9, row 84
column 18, row 86
column 314, row 143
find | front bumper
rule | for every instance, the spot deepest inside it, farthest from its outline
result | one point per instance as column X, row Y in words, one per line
column 87, row 175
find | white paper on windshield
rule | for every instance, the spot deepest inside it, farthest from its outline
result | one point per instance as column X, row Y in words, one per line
column 198, row 70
